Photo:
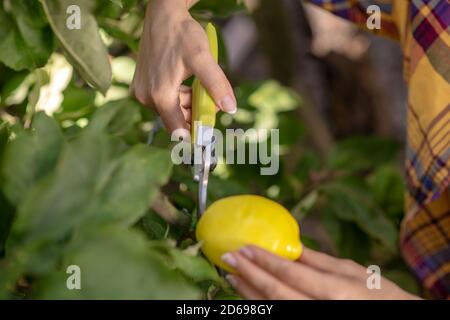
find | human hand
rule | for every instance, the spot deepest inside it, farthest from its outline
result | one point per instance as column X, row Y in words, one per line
column 174, row 47
column 263, row 275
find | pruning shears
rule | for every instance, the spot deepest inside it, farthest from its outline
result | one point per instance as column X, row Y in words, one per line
column 202, row 126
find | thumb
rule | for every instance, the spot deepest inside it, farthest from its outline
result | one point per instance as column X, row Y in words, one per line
column 214, row 81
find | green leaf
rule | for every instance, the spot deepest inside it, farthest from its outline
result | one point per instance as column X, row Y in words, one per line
column 349, row 201
column 31, row 11
column 388, row 188
column 41, row 79
column 83, row 47
column 220, row 188
column 4, row 137
column 29, row 157
column 120, row 35
column 195, row 268
column 77, row 103
column 350, row 242
column 90, row 186
column 10, row 271
column 95, row 182
column 133, row 183
column 293, row 128
column 116, row 264
column 65, row 198
column 354, row 243
column 117, row 117
column 359, row 153
column 187, row 261
column 117, row 2
column 6, row 217
column 308, row 163
column 10, row 81
column 305, row 205
column 154, row 226
column 27, row 42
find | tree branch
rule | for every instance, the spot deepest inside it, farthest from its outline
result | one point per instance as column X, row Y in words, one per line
column 166, row 210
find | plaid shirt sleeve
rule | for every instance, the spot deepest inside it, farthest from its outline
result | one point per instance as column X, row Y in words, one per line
column 357, row 11
column 423, row 29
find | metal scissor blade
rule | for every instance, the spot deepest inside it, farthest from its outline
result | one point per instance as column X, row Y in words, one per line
column 203, row 181
column 204, row 162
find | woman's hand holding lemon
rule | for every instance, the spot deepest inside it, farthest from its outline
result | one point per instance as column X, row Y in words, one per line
column 257, row 240
column 263, row 275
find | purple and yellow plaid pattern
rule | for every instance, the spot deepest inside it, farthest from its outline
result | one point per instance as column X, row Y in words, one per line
column 356, row 11
column 423, row 29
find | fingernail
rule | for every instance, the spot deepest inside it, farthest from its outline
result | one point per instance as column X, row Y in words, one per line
column 228, row 104
column 232, row 280
column 247, row 252
column 229, row 260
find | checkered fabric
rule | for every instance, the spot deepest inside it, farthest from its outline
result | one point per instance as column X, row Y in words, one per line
column 357, row 12
column 423, row 29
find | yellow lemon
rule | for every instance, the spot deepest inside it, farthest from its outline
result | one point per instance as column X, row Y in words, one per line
column 231, row 223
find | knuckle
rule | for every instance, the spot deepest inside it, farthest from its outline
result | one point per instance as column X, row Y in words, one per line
column 278, row 266
column 188, row 25
column 198, row 54
column 288, row 272
column 142, row 96
column 345, row 263
column 355, row 266
column 159, row 98
column 350, row 264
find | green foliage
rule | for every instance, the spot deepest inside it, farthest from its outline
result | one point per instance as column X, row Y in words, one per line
column 348, row 201
column 359, row 153
column 76, row 201
column 29, row 157
column 121, row 261
column 77, row 183
column 26, row 38
column 83, row 47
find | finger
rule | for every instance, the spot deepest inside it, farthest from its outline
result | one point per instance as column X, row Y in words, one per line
column 326, row 263
column 265, row 283
column 214, row 80
column 185, row 99
column 303, row 278
column 244, row 289
column 187, row 113
column 168, row 107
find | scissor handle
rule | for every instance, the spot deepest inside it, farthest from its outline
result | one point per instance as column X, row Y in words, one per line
column 203, row 106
